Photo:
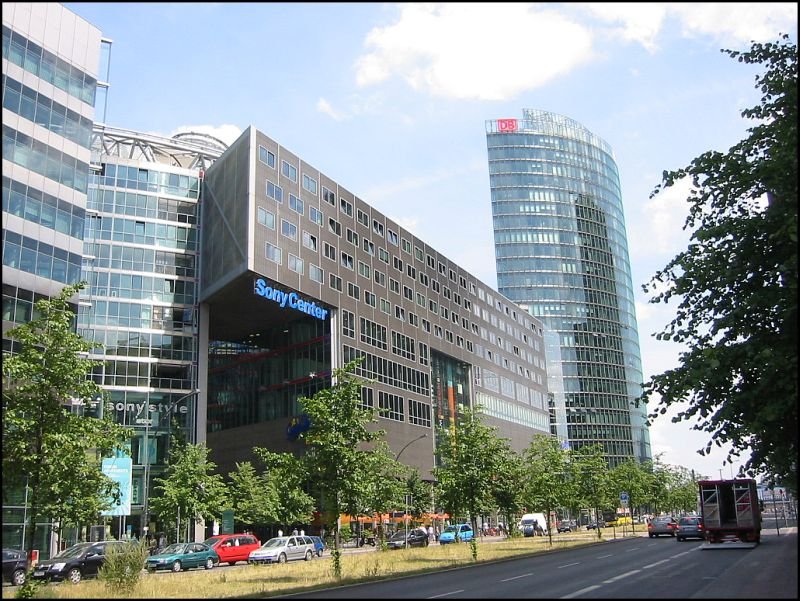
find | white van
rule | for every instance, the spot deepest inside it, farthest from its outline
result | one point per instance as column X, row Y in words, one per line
column 528, row 519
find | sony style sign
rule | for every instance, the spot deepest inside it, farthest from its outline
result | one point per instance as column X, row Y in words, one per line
column 289, row 299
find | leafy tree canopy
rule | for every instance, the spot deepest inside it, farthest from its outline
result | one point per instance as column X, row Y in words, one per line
column 737, row 283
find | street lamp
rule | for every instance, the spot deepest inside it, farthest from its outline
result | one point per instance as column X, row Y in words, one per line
column 397, row 458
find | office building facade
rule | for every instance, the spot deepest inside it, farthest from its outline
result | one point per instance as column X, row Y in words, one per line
column 299, row 276
column 562, row 254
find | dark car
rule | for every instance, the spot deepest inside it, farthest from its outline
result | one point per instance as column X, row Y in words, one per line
column 417, row 537
column 567, row 526
column 75, row 563
column 663, row 525
column 595, row 525
column 15, row 564
column 690, row 527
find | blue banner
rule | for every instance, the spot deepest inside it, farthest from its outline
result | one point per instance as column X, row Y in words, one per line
column 120, row 470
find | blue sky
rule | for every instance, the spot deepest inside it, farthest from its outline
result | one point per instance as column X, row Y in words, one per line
column 391, row 100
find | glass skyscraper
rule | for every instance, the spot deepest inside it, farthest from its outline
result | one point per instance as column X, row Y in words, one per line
column 562, row 254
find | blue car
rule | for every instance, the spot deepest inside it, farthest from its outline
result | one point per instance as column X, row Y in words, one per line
column 463, row 532
column 319, row 545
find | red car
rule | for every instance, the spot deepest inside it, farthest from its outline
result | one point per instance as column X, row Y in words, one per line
column 659, row 526
column 233, row 547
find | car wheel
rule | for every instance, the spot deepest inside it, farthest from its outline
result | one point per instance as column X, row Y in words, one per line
column 176, row 566
column 282, row 558
column 319, row 553
column 650, row 535
column 74, row 575
column 309, row 555
column 18, row 577
column 151, row 570
column 209, row 563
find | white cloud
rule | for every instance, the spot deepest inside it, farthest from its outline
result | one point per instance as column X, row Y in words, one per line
column 227, row 133
column 737, row 23
column 659, row 229
column 641, row 22
column 323, row 106
column 454, row 51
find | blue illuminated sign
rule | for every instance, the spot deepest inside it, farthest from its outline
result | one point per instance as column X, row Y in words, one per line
column 289, row 299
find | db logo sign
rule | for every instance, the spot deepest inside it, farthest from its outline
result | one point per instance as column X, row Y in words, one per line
column 506, row 125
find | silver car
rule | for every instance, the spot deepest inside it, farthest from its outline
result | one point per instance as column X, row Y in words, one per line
column 281, row 549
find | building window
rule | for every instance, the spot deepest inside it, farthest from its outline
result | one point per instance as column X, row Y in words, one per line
column 370, row 298
column 315, row 215
column 418, row 254
column 315, row 273
column 399, row 312
column 329, row 251
column 373, row 334
column 335, row 282
column 369, row 247
column 377, row 227
column 367, row 400
column 345, row 207
column 424, row 358
column 383, row 255
column 296, row 264
column 423, row 278
column 347, row 261
column 353, row 291
column 411, row 271
column 348, row 324
column 408, row 293
column 419, row 413
column 296, row 204
column 266, row 157
column 273, row 253
column 430, row 261
column 380, row 278
column 405, row 245
column 363, row 269
column 265, row 218
column 392, row 237
column 362, row 218
column 328, row 196
column 394, row 285
column 386, row 306
column 352, row 237
column 398, row 264
column 310, row 184
column 288, row 229
column 334, row 226
column 289, row 170
column 274, row 191
column 309, row 241
column 391, row 406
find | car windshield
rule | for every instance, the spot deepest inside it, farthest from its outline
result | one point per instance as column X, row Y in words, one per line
column 212, row 541
column 274, row 542
column 73, row 551
column 175, row 548
column 527, row 522
column 689, row 521
column 451, row 529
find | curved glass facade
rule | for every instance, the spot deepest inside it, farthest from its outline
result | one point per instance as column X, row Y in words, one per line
column 562, row 254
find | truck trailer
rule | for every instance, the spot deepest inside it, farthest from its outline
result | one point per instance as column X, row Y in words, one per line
column 730, row 512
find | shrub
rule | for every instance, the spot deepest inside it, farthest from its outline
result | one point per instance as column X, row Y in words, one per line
column 123, row 566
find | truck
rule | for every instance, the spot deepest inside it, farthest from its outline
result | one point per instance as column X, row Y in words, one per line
column 731, row 512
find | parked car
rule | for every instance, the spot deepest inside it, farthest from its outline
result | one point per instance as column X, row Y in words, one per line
column 15, row 564
column 75, row 563
column 464, row 532
column 690, row 527
column 595, row 525
column 417, row 537
column 567, row 526
column 232, row 548
column 182, row 556
column 662, row 525
column 319, row 545
column 281, row 549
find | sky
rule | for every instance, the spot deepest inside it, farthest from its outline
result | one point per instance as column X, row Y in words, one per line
column 391, row 101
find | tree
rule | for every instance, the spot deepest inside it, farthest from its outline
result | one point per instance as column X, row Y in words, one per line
column 46, row 446
column 631, row 477
column 589, row 470
column 337, row 457
column 190, row 488
column 737, row 283
column 547, row 482
column 286, row 477
column 468, row 460
column 385, row 486
column 253, row 499
column 508, row 483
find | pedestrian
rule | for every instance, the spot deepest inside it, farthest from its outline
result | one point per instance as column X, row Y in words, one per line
column 430, row 533
column 280, row 532
column 302, row 532
column 294, row 532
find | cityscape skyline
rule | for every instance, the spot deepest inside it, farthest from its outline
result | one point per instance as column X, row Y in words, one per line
column 661, row 62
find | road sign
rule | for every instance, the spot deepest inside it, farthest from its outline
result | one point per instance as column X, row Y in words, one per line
column 623, row 498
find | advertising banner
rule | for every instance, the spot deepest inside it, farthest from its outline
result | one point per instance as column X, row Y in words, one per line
column 120, row 470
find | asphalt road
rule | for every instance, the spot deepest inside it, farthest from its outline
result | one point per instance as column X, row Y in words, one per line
column 637, row 567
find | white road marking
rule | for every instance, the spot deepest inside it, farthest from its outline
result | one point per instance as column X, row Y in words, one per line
column 580, row 592
column 445, row 594
column 569, row 565
column 515, row 577
column 604, row 556
column 620, row 577
column 652, row 565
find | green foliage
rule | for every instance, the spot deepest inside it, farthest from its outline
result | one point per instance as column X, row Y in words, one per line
column 190, row 488
column 548, row 482
column 469, row 454
column 508, row 483
column 31, row 588
column 385, row 486
column 338, row 446
column 46, row 446
column 286, row 476
column 737, row 283
column 254, row 499
column 122, row 566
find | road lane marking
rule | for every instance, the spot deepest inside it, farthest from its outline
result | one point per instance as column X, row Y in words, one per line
column 625, row 575
column 569, row 565
column 515, row 577
column 658, row 563
column 604, row 556
column 445, row 594
column 580, row 592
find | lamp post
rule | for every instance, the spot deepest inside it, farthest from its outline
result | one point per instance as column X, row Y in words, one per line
column 397, row 458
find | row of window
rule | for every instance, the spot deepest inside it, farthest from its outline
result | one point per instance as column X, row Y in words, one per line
column 39, row 258
column 148, row 180
column 388, row 372
column 42, row 110
column 149, row 233
column 512, row 412
column 131, row 343
column 19, row 304
column 44, row 209
column 149, row 206
column 142, row 287
column 27, row 54
column 392, row 406
column 130, row 258
column 134, row 315
column 45, row 160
